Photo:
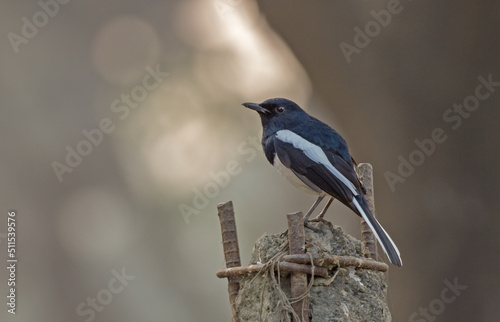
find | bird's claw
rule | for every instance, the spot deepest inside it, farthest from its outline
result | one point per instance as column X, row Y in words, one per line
column 318, row 219
column 306, row 225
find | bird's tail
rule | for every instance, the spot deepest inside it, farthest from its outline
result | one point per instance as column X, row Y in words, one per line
column 385, row 241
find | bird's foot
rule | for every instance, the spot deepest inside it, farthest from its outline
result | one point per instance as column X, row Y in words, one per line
column 318, row 219
column 306, row 225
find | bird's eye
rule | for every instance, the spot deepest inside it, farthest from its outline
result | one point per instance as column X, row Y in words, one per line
column 280, row 109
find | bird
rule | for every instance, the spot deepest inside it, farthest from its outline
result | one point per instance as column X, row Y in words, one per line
column 315, row 158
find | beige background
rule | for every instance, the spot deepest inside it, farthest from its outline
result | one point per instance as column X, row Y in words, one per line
column 120, row 207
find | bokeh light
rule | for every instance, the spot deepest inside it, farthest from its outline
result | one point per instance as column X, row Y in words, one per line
column 122, row 47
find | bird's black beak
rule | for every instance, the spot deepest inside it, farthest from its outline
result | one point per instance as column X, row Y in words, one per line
column 256, row 107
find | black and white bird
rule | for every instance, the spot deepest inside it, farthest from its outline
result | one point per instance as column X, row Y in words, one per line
column 315, row 158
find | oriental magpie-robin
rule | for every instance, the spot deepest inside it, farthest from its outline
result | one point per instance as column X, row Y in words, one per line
column 315, row 158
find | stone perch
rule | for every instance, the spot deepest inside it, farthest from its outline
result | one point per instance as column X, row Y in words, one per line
column 346, row 294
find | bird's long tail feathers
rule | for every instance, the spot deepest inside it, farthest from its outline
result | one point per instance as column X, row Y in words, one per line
column 385, row 241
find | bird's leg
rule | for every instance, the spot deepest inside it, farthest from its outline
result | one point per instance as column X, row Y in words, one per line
column 310, row 211
column 323, row 212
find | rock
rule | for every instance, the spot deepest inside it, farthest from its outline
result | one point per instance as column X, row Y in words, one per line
column 348, row 294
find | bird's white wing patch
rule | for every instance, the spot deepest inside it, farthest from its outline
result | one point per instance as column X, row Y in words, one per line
column 315, row 153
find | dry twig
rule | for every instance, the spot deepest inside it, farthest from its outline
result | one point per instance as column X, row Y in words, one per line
column 296, row 241
column 366, row 177
column 231, row 250
column 282, row 266
column 329, row 261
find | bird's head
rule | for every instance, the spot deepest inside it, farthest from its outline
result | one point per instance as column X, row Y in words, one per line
column 277, row 113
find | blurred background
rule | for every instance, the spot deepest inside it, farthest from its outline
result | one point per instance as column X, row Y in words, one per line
column 122, row 129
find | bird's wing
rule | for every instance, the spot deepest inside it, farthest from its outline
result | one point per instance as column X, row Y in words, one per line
column 332, row 174
column 323, row 168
